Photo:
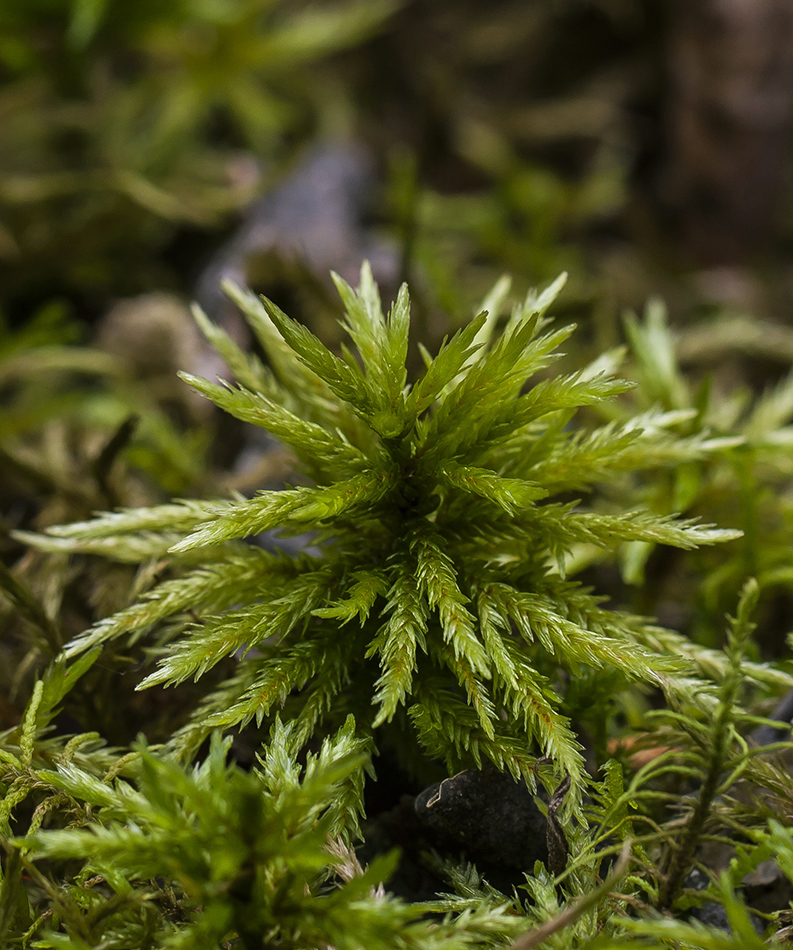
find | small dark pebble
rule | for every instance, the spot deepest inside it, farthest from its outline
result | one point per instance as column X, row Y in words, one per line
column 767, row 888
column 489, row 814
column 484, row 817
column 714, row 915
column 710, row 913
column 490, row 819
column 399, row 827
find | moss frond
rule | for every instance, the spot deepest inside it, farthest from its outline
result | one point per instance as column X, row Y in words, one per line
column 440, row 514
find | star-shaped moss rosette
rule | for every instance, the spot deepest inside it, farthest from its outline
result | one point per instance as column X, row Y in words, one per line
column 435, row 597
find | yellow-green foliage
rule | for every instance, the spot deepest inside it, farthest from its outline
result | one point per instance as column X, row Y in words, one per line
column 433, row 595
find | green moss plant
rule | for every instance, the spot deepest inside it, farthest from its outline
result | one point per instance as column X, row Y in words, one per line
column 748, row 484
column 78, row 432
column 430, row 599
column 194, row 858
column 702, row 787
column 136, row 851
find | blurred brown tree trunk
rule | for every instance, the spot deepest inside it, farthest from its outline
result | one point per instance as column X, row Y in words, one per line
column 729, row 123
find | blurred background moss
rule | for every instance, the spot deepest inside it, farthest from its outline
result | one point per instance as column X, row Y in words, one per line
column 644, row 147
column 147, row 150
column 127, row 124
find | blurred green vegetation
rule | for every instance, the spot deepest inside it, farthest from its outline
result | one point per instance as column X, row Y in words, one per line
column 147, row 149
column 527, row 138
column 123, row 122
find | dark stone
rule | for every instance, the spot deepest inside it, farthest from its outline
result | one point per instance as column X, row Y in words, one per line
column 487, row 815
column 709, row 912
column 767, row 889
column 754, row 885
column 399, row 827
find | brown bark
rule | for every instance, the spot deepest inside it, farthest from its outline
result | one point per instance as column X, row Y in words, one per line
column 729, row 117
